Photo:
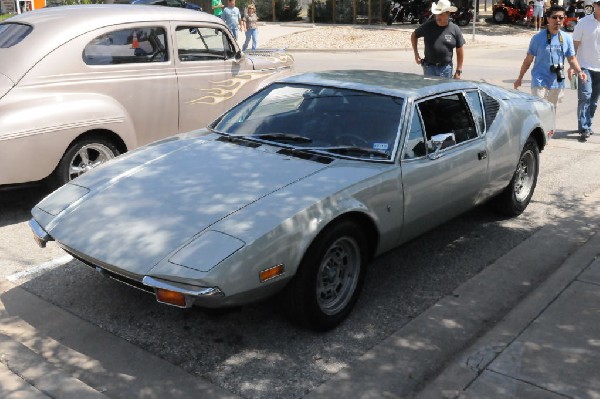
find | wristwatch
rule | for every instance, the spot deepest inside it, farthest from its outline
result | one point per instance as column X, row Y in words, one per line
column 459, row 71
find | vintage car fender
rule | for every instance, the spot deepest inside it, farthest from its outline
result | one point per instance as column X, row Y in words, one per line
column 47, row 125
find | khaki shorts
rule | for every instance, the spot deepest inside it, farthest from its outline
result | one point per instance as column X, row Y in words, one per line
column 553, row 95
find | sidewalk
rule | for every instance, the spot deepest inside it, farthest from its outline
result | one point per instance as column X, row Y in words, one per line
column 526, row 326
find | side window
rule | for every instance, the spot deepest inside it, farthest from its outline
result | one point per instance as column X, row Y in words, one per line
column 448, row 114
column 201, row 44
column 415, row 143
column 475, row 103
column 127, row 46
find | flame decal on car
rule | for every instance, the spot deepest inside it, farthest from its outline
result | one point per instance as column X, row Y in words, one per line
column 226, row 89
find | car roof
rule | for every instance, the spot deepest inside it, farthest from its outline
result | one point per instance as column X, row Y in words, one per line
column 55, row 26
column 395, row 84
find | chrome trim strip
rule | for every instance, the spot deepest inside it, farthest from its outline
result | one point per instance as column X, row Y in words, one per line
column 49, row 129
column 192, row 291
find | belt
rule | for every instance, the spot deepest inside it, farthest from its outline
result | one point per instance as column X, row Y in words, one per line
column 436, row 64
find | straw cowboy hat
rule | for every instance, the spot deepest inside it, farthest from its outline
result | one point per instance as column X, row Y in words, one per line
column 442, row 6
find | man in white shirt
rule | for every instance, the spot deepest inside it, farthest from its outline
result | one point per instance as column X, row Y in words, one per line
column 586, row 39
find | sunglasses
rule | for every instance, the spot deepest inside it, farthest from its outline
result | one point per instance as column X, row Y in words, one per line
column 559, row 17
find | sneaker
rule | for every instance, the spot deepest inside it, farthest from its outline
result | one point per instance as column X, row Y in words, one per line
column 585, row 134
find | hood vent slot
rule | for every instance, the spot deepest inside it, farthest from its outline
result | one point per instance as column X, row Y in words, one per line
column 239, row 141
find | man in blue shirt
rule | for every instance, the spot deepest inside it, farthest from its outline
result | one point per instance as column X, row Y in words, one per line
column 232, row 17
column 548, row 50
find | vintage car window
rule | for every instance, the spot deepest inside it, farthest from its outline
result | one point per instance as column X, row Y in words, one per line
column 448, row 114
column 202, row 44
column 415, row 142
column 11, row 33
column 128, row 46
column 476, row 108
column 344, row 122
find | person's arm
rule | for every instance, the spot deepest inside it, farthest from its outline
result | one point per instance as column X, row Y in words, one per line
column 460, row 53
column 575, row 68
column 526, row 64
column 413, row 42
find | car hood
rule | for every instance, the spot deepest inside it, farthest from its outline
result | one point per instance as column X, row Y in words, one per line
column 134, row 213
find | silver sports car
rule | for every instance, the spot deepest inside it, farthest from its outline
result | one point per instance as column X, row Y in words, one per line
column 295, row 189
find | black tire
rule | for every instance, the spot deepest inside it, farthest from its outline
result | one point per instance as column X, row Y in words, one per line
column 81, row 156
column 500, row 17
column 588, row 9
column 390, row 19
column 329, row 279
column 516, row 196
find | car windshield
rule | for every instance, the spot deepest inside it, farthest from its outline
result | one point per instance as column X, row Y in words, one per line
column 341, row 122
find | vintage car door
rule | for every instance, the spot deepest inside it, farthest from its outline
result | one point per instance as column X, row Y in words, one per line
column 209, row 75
column 440, row 185
column 126, row 64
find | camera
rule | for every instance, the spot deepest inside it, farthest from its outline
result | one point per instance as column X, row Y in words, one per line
column 559, row 71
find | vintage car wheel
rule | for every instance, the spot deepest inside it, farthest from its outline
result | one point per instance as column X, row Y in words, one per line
column 329, row 279
column 81, row 156
column 500, row 17
column 515, row 198
column 588, row 9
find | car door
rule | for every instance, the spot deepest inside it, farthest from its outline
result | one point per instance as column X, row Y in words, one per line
column 131, row 64
column 209, row 76
column 439, row 185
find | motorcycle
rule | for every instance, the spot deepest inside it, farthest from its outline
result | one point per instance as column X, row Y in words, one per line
column 574, row 13
column 463, row 16
column 402, row 11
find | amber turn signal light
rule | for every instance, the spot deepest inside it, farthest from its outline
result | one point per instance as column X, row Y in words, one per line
column 170, row 297
column 271, row 273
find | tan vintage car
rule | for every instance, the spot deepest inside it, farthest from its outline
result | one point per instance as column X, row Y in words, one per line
column 82, row 84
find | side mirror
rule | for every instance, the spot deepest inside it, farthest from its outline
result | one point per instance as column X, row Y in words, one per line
column 441, row 141
column 239, row 56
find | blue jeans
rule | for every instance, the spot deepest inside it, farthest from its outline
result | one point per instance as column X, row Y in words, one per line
column 250, row 33
column 234, row 32
column 445, row 71
column 587, row 99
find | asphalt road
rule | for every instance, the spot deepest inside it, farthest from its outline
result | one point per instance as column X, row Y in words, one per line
column 254, row 351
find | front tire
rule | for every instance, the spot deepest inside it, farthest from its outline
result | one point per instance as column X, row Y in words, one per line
column 329, row 279
column 516, row 196
column 82, row 156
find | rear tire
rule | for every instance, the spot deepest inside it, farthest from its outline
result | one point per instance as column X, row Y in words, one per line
column 329, row 279
column 500, row 17
column 82, row 156
column 516, row 196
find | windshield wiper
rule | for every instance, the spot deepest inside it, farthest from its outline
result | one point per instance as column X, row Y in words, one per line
column 283, row 137
column 353, row 150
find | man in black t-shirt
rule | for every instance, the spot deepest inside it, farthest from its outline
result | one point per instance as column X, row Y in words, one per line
column 441, row 38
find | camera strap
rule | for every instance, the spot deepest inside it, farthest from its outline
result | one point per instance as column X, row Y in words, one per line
column 562, row 50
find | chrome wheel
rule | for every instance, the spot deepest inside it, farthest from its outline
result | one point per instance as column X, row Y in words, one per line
column 338, row 275
column 88, row 157
column 525, row 176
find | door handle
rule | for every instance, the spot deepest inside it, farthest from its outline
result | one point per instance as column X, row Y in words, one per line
column 482, row 155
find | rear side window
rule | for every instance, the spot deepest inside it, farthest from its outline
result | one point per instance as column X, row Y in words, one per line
column 127, row 46
column 11, row 34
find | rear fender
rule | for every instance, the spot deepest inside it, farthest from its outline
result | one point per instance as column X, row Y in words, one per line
column 37, row 131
